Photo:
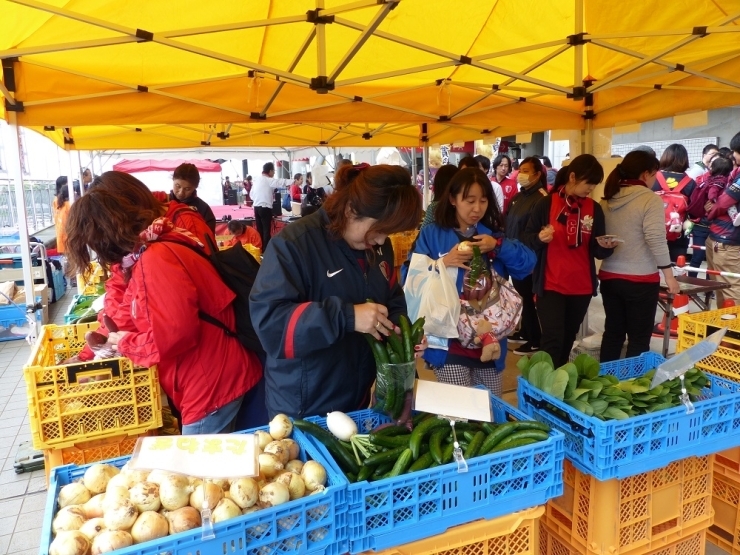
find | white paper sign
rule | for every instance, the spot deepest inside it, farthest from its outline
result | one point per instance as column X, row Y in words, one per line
column 453, row 400
column 204, row 456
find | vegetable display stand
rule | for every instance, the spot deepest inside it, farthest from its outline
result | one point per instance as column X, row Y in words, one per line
column 623, row 448
column 693, row 328
column 727, row 463
column 414, row 506
column 88, row 452
column 693, row 544
column 402, row 243
column 514, row 534
column 725, row 532
column 312, row 525
column 78, row 402
column 634, row 515
column 80, row 306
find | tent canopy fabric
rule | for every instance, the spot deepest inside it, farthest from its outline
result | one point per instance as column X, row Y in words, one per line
column 134, row 166
column 357, row 72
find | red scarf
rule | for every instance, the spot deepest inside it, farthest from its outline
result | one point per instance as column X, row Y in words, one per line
column 577, row 215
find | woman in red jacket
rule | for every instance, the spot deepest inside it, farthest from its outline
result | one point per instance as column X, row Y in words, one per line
column 202, row 369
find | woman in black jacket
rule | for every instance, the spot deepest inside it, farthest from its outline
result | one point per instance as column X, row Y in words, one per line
column 566, row 230
column 532, row 178
column 185, row 181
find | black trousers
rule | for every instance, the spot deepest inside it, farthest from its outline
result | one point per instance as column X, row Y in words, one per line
column 678, row 247
column 630, row 310
column 530, row 326
column 560, row 318
column 263, row 218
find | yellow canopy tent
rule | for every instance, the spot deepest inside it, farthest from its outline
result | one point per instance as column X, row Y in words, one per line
column 358, row 72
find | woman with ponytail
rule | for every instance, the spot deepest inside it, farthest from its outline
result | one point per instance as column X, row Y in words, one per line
column 566, row 231
column 630, row 281
column 325, row 281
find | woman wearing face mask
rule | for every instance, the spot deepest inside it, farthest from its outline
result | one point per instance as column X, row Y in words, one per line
column 566, row 231
column 533, row 182
column 185, row 181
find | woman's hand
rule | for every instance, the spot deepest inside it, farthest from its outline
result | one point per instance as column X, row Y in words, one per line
column 458, row 258
column 674, row 288
column 114, row 337
column 372, row 318
column 546, row 234
column 485, row 243
column 607, row 242
column 421, row 347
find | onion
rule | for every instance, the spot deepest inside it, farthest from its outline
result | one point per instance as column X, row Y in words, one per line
column 97, row 476
column 293, row 449
column 319, row 489
column 145, row 496
column 223, row 483
column 313, row 475
column 263, row 438
column 296, row 487
column 94, row 507
column 121, row 516
column 157, row 476
column 270, row 465
column 137, row 476
column 252, row 509
column 244, row 492
column 341, row 425
column 224, row 511
column 73, row 494
column 149, row 526
column 119, row 481
column 274, row 494
column 212, row 493
column 185, row 518
column 280, row 427
column 68, row 519
column 111, row 540
column 279, row 450
column 174, row 491
column 69, row 543
column 114, row 497
column 93, row 527
column 295, row 466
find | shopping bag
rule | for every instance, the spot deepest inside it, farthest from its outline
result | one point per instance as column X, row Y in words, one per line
column 431, row 292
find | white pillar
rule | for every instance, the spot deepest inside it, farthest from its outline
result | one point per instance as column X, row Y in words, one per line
column 425, row 153
column 15, row 171
column 70, row 179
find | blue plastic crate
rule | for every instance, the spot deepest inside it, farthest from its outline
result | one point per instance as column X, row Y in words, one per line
column 623, row 448
column 13, row 323
column 414, row 506
column 316, row 524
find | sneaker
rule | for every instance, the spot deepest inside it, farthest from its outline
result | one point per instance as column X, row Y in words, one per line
column 526, row 349
column 517, row 338
column 736, row 220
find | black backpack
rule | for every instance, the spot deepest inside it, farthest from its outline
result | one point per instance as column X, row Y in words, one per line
column 238, row 270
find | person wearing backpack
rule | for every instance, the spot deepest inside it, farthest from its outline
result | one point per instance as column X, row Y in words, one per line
column 325, row 282
column 205, row 371
column 675, row 189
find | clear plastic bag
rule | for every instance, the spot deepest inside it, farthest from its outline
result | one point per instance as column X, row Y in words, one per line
column 394, row 389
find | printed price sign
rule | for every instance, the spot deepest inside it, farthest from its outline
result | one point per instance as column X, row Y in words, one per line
column 454, row 401
column 204, row 456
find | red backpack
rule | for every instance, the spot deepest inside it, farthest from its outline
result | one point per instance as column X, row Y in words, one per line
column 675, row 205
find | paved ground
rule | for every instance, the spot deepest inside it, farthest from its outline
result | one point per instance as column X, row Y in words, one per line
column 23, row 496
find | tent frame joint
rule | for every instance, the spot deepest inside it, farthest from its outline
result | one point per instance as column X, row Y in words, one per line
column 17, row 107
column 367, row 136
column 142, row 88
column 466, row 60
column 315, row 17
column 577, row 39
column 257, row 115
column 700, row 31
column 321, row 84
column 146, row 36
column 223, row 135
column 205, row 143
column 444, row 118
column 579, row 93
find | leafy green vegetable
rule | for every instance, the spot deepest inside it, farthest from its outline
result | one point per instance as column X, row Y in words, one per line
column 615, row 413
column 587, row 366
column 524, row 364
column 541, row 356
column 538, row 372
column 598, row 405
column 555, row 383
column 572, row 371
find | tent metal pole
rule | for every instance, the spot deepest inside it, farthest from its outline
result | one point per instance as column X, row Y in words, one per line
column 414, row 171
column 15, row 170
column 425, row 196
column 70, row 184
column 320, row 43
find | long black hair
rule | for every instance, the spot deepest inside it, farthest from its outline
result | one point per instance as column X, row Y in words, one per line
column 633, row 166
column 585, row 166
column 442, row 179
column 445, row 214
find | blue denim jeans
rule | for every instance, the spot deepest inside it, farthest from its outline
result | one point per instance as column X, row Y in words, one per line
column 220, row 421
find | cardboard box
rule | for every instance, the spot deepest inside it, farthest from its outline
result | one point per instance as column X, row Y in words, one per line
column 42, row 291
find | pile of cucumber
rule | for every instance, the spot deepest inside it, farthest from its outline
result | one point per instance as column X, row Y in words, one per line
column 429, row 444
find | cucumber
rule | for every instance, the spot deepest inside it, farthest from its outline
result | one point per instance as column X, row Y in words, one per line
column 382, row 470
column 395, row 342
column 447, row 453
column 488, row 443
column 418, row 418
column 402, row 464
column 417, row 331
column 408, row 349
column 391, row 431
column 537, row 435
column 422, row 463
column 469, row 435
column 488, row 427
column 365, row 473
column 475, row 444
column 390, row 456
column 393, row 356
column 512, row 445
column 507, row 429
column 390, row 441
column 345, row 460
column 435, row 444
column 417, row 436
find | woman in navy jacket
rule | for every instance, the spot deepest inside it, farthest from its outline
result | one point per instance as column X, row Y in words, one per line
column 469, row 212
column 309, row 303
